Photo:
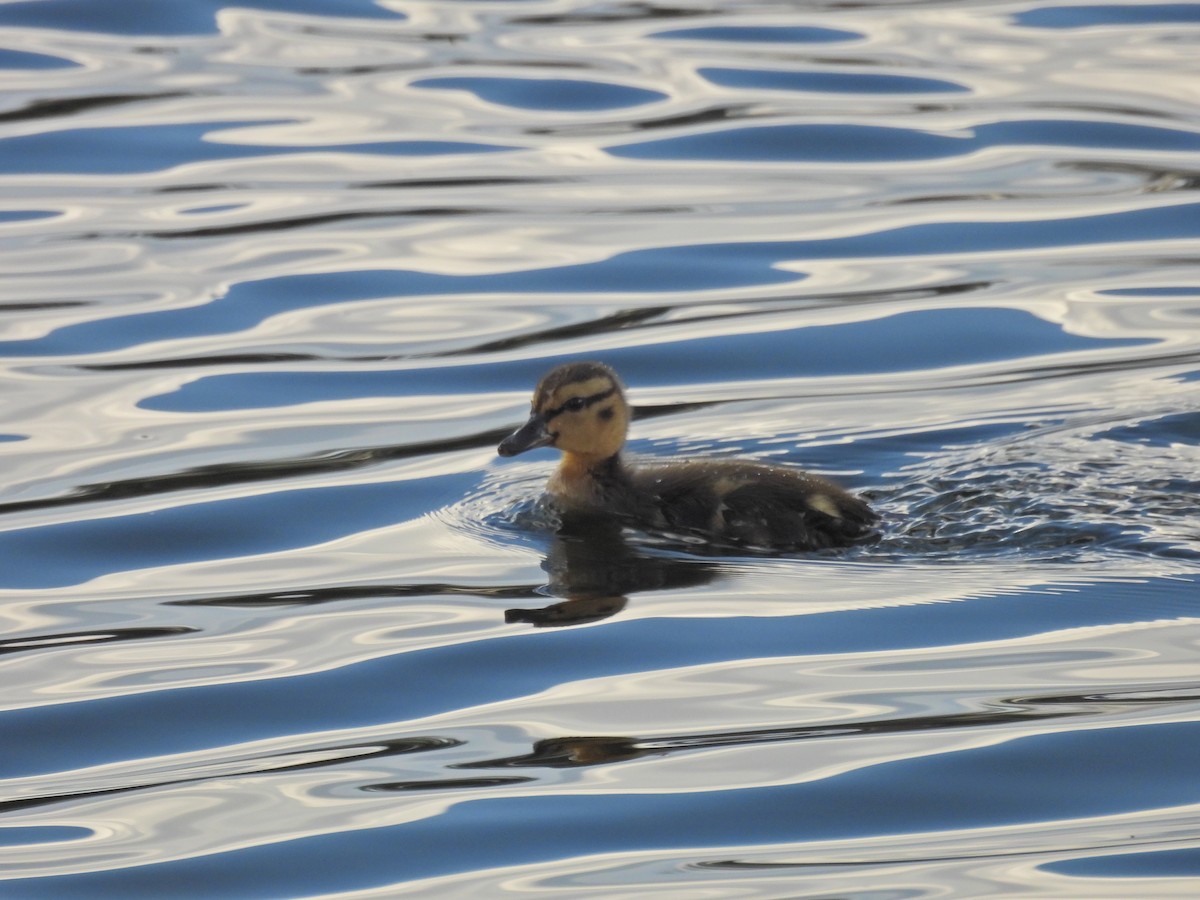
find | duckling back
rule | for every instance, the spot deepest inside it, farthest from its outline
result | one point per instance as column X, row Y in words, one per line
column 752, row 504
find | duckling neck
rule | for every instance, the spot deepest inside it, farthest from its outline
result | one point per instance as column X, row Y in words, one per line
column 585, row 480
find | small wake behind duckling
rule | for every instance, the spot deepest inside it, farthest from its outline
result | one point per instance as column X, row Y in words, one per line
column 1111, row 493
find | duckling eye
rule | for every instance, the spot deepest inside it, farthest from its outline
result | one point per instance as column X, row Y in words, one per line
column 575, row 404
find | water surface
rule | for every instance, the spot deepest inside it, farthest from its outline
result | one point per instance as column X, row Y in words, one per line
column 275, row 278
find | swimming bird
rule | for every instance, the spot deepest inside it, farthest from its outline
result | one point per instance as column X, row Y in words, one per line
column 580, row 409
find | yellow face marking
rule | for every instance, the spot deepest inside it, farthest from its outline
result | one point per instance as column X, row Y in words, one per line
column 824, row 503
column 724, row 485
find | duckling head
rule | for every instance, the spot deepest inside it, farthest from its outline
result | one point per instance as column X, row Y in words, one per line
column 580, row 408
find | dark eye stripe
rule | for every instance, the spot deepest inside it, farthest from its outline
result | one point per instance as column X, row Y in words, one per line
column 587, row 401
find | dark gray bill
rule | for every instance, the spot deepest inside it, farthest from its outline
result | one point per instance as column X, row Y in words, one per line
column 530, row 435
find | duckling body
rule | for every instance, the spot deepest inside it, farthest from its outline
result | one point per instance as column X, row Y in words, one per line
column 580, row 408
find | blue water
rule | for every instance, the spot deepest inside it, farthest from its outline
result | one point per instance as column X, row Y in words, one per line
column 275, row 621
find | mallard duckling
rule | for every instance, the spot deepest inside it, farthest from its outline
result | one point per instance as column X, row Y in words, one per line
column 580, row 408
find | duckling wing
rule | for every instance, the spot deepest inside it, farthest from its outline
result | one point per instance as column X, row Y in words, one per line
column 795, row 517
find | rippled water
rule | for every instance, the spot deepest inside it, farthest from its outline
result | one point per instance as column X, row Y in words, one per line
column 276, row 622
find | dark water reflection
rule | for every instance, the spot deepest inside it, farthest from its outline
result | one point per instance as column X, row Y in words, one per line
column 277, row 277
column 593, row 564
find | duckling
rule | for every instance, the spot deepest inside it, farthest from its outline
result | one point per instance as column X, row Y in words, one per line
column 580, row 408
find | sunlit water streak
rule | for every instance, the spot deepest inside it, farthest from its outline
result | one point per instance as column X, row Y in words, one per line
column 274, row 621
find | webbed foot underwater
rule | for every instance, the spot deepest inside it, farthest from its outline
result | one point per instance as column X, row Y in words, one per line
column 581, row 410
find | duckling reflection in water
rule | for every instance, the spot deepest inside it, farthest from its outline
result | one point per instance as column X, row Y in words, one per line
column 592, row 565
column 580, row 409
